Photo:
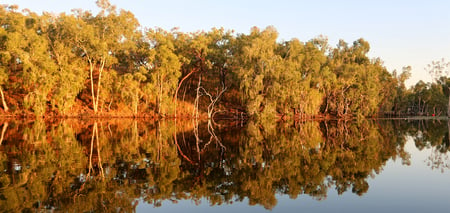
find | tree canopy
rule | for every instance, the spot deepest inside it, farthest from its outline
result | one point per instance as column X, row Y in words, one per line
column 106, row 64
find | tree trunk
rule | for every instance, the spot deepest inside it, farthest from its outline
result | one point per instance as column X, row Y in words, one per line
column 160, row 95
column 158, row 98
column 448, row 128
column 102, row 65
column 326, row 105
column 5, row 107
column 95, row 97
column 197, row 97
column 91, row 71
column 175, row 97
column 418, row 110
column 136, row 103
column 448, row 107
column 5, row 126
column 422, row 111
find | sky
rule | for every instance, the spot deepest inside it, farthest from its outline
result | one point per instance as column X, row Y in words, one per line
column 401, row 32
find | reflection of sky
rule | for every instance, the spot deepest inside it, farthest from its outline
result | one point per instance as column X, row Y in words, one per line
column 398, row 188
column 189, row 206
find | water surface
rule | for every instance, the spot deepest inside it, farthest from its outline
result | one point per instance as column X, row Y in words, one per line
column 128, row 165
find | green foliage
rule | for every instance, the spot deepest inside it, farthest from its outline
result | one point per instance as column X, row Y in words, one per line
column 69, row 74
column 164, row 66
column 259, row 67
column 53, row 63
column 130, row 89
column 24, row 45
column 425, row 99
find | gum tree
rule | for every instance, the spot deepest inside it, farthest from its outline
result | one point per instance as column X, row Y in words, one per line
column 164, row 68
column 258, row 70
column 99, row 38
column 70, row 73
column 439, row 70
column 25, row 52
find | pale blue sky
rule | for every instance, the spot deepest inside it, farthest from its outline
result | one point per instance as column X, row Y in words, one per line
column 401, row 32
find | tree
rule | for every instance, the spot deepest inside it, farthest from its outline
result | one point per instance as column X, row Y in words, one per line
column 25, row 51
column 70, row 72
column 6, row 58
column 300, row 81
column 164, row 66
column 259, row 70
column 358, row 89
column 313, row 76
column 437, row 70
column 192, row 50
column 131, row 90
column 398, row 92
column 99, row 38
column 3, row 80
column 57, row 63
column 220, row 44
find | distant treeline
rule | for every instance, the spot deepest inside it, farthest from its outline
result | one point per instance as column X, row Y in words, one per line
column 106, row 64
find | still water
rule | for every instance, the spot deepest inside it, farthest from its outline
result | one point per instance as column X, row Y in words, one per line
column 128, row 165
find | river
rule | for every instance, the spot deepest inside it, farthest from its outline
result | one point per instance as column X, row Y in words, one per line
column 125, row 165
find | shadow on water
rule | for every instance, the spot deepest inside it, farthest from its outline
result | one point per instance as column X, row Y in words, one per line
column 109, row 165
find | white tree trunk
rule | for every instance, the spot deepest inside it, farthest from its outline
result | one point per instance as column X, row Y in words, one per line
column 5, row 107
column 91, row 75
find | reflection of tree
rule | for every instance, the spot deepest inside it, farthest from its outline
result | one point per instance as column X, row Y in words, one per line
column 438, row 160
column 271, row 159
column 108, row 165
column 4, row 128
column 39, row 167
column 433, row 135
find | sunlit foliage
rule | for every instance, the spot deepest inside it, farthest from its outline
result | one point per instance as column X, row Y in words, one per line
column 106, row 64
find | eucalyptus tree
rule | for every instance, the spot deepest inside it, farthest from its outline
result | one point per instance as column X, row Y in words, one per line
column 164, row 65
column 313, row 74
column 217, row 67
column 70, row 72
column 131, row 81
column 25, row 53
column 54, row 57
column 303, row 78
column 192, row 50
column 360, row 80
column 440, row 70
column 438, row 98
column 259, row 70
column 339, row 58
column 422, row 95
column 368, row 80
column 99, row 38
column 290, row 53
column 130, row 88
column 221, row 53
column 370, row 90
column 5, row 57
column 427, row 98
column 396, row 92
column 3, row 79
